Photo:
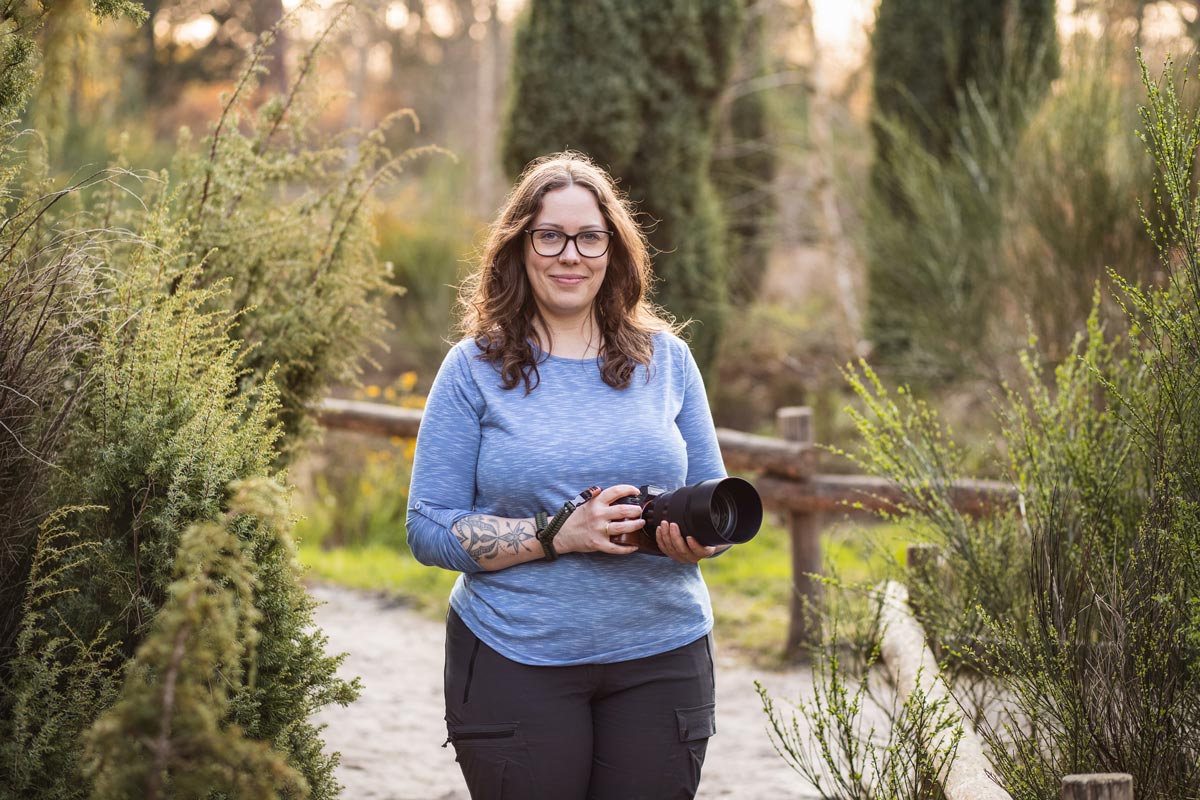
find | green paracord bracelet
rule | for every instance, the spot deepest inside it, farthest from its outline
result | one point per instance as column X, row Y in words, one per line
column 545, row 532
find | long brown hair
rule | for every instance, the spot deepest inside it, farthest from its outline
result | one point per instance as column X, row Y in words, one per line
column 497, row 302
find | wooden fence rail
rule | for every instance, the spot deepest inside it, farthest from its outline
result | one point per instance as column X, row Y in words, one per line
column 910, row 662
column 786, row 478
column 914, row 670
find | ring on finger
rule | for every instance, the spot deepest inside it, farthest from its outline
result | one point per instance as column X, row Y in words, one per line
column 606, row 533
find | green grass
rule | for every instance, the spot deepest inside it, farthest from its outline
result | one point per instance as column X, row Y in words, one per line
column 750, row 586
column 377, row 567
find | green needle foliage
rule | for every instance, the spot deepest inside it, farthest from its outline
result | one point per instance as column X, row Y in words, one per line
column 635, row 86
column 80, row 671
column 162, row 340
column 20, row 22
column 955, row 86
column 48, row 307
column 160, row 434
column 167, row 735
column 282, row 222
column 1069, row 624
column 46, row 303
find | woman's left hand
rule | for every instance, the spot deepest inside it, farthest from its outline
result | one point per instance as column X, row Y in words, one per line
column 683, row 549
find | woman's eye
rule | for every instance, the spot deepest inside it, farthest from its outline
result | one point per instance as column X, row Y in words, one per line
column 548, row 236
column 590, row 238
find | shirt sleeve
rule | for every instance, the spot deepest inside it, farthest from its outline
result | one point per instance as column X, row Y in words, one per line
column 442, row 490
column 695, row 424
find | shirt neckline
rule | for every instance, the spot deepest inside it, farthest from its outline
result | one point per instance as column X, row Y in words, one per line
column 541, row 355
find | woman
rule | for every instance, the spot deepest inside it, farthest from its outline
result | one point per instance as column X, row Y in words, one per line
column 576, row 666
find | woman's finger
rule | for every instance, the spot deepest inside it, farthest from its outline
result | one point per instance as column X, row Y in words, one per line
column 669, row 540
column 684, row 549
column 613, row 493
column 615, row 526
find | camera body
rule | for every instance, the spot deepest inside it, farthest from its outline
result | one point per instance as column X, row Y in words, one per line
column 716, row 512
column 645, row 496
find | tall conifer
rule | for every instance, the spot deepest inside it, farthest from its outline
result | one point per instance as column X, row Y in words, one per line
column 745, row 163
column 945, row 70
column 635, row 86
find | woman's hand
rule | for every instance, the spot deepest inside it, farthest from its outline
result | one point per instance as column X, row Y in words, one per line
column 683, row 549
column 590, row 527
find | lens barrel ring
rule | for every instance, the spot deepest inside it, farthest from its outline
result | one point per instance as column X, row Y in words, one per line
column 717, row 512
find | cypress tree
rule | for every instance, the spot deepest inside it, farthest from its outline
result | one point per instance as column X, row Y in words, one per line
column 635, row 86
column 927, row 54
column 744, row 167
column 940, row 68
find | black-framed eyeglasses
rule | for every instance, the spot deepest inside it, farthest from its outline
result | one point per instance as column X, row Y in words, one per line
column 548, row 242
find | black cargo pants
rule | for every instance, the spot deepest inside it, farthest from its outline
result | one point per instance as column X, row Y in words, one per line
column 625, row 731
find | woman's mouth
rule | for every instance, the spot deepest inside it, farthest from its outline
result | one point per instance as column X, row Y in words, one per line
column 568, row 280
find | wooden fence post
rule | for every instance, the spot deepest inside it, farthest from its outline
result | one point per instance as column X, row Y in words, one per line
column 1100, row 786
column 921, row 560
column 795, row 424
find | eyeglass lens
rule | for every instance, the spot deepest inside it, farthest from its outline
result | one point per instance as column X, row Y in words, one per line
column 590, row 244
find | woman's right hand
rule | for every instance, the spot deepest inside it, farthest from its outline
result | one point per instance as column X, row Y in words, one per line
column 590, row 527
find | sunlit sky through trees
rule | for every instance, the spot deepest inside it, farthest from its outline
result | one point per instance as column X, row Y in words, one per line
column 841, row 26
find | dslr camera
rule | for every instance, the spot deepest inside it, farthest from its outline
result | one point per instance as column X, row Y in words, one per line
column 716, row 512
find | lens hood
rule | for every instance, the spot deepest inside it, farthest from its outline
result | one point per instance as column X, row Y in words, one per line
column 715, row 512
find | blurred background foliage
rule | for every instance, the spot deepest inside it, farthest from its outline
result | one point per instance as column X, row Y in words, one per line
column 928, row 185
column 822, row 138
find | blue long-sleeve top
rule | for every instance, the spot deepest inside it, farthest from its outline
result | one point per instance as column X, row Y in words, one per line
column 483, row 449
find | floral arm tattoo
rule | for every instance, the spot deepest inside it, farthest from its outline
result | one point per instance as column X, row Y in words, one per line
column 484, row 536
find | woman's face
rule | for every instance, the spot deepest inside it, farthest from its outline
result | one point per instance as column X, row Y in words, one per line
column 566, row 285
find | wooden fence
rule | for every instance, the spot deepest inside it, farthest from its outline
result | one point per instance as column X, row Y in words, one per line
column 785, row 469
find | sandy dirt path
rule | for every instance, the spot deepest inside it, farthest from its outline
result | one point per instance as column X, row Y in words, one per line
column 391, row 738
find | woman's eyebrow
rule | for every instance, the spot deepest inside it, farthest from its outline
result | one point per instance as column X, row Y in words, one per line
column 589, row 226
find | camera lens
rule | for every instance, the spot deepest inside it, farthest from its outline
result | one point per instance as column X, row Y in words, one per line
column 716, row 512
column 723, row 513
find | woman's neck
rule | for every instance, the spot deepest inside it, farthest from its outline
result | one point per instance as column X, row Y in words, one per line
column 579, row 338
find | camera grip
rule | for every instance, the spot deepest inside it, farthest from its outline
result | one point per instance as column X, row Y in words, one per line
column 644, row 542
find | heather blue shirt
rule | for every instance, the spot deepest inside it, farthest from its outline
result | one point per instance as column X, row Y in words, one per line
column 486, row 450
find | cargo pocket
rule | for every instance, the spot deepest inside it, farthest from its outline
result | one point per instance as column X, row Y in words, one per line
column 491, row 758
column 696, row 725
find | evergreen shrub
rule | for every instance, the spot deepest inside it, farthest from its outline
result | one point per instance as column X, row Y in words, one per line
column 184, row 324
column 46, row 304
column 167, row 736
column 1008, row 234
column 1068, row 625
column 277, row 215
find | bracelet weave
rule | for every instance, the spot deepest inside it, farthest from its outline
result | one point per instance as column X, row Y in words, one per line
column 546, row 534
column 539, row 529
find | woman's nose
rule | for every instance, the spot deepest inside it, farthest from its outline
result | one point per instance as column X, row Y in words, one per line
column 570, row 253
